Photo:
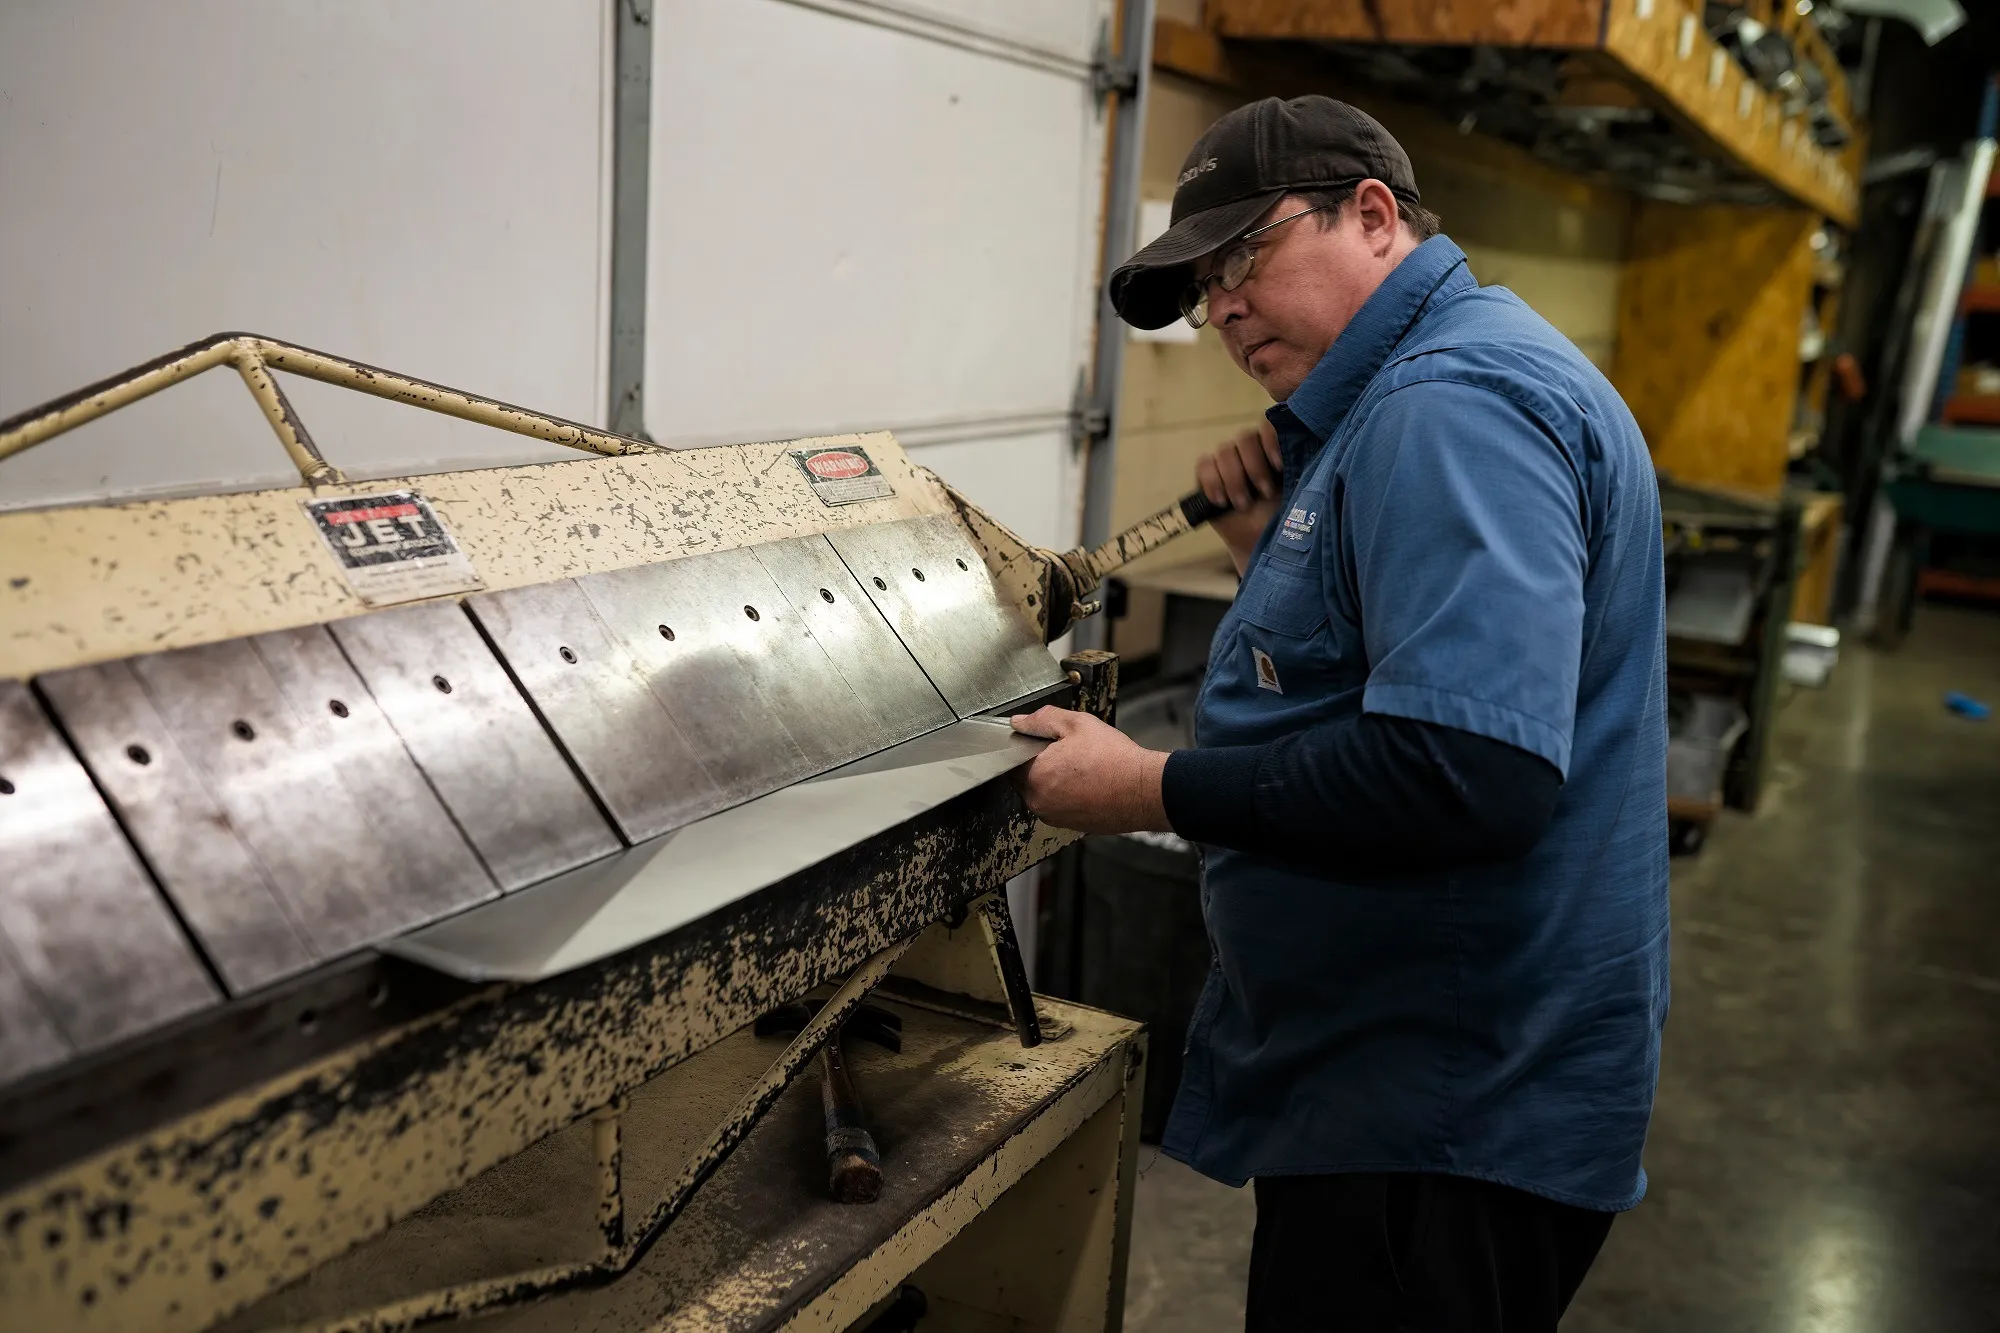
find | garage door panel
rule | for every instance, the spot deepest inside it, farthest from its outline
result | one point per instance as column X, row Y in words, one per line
column 856, row 227
column 1068, row 28
column 414, row 186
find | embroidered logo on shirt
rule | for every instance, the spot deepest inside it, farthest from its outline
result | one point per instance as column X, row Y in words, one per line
column 1297, row 529
column 1267, row 670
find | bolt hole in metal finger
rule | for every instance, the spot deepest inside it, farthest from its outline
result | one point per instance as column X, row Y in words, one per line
column 138, row 754
column 336, row 707
column 444, row 686
column 242, row 730
column 6, row 787
column 566, row 655
column 751, row 612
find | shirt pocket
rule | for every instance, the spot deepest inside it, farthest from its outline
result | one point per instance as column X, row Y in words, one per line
column 1294, row 646
column 1285, row 598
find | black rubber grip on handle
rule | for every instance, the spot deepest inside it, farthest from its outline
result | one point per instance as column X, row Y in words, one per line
column 1198, row 509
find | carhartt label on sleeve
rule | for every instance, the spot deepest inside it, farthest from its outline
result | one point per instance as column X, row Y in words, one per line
column 1267, row 670
column 391, row 547
column 843, row 476
column 1297, row 529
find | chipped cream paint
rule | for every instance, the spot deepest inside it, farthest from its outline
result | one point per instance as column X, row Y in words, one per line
column 1020, row 571
column 95, row 582
column 1103, row 1092
column 957, row 960
column 183, row 1225
column 509, row 1289
column 1048, row 1253
column 1050, row 587
column 1033, row 1145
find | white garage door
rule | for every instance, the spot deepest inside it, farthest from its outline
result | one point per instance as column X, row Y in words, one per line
column 420, row 186
column 863, row 215
column 870, row 216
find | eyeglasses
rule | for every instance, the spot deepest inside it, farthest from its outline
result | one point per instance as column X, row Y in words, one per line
column 1232, row 268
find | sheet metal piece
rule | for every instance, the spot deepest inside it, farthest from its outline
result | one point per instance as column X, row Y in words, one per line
column 659, row 886
column 485, row 753
column 896, row 700
column 595, row 697
column 928, row 582
column 89, row 953
column 350, row 863
column 187, row 838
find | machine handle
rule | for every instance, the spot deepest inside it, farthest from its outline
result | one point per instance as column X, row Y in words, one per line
column 1089, row 568
column 1198, row 509
column 1078, row 573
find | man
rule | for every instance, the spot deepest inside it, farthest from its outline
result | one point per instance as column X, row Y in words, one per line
column 1429, row 774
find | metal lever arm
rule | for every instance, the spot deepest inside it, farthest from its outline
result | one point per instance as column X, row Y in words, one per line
column 1083, row 570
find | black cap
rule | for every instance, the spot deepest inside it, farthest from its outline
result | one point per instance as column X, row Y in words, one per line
column 1243, row 164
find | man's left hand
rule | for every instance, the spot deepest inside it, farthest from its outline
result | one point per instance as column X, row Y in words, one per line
column 1094, row 779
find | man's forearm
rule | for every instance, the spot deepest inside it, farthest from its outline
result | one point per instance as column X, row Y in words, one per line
column 1371, row 794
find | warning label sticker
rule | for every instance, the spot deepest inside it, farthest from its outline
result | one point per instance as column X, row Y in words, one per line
column 391, row 547
column 843, row 476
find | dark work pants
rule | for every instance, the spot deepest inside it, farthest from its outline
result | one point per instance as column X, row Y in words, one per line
column 1414, row 1254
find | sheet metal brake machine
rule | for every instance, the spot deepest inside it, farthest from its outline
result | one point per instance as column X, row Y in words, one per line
column 392, row 875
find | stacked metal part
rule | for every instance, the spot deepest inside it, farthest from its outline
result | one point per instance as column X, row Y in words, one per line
column 550, row 773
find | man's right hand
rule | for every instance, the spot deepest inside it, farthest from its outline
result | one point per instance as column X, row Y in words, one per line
column 1245, row 473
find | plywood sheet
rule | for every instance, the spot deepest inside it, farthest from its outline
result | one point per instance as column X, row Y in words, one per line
column 1708, row 338
column 1547, row 23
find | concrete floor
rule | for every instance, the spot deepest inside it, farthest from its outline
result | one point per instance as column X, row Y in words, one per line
column 1825, row 1151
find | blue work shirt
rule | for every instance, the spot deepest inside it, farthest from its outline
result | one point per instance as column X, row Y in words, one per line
column 1469, row 537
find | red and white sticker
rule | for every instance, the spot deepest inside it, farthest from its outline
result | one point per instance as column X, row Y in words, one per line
column 843, row 476
column 391, row 547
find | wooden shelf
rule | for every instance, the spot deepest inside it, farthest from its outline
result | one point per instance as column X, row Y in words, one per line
column 1976, row 409
column 1194, row 52
column 1658, row 48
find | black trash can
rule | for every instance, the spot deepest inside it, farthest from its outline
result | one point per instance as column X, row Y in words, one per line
column 1142, row 951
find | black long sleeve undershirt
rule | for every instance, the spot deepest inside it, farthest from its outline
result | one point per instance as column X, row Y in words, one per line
column 1370, row 795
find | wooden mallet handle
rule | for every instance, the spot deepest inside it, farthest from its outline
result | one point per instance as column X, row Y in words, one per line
column 853, row 1165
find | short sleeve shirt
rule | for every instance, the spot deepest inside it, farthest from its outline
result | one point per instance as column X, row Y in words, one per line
column 1469, row 537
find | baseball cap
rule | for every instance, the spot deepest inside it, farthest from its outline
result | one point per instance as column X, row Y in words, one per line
column 1241, row 165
